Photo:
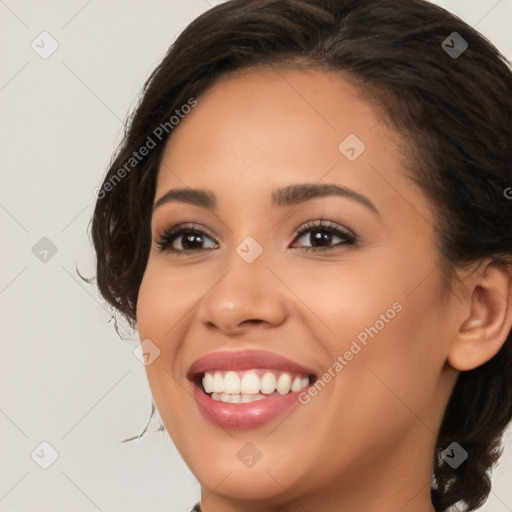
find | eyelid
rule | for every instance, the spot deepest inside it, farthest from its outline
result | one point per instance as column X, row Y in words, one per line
column 328, row 225
column 351, row 239
column 166, row 236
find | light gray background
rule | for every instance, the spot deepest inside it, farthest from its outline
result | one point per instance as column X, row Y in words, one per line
column 67, row 378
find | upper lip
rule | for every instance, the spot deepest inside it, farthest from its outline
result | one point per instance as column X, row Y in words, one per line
column 245, row 360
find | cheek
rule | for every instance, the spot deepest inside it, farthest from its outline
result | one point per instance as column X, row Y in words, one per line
column 389, row 330
column 161, row 307
column 342, row 300
column 165, row 297
column 395, row 373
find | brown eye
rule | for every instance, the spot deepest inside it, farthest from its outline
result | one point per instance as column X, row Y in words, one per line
column 182, row 239
column 323, row 236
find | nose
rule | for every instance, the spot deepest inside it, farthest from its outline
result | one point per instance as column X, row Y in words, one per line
column 247, row 296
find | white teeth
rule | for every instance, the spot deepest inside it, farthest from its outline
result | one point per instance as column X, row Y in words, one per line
column 247, row 386
column 296, row 384
column 218, row 383
column 250, row 384
column 208, row 382
column 284, row 384
column 231, row 383
column 236, row 399
column 268, row 383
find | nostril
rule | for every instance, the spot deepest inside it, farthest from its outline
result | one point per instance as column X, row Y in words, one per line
column 253, row 321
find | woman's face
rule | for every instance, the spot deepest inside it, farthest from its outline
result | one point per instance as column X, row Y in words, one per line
column 354, row 297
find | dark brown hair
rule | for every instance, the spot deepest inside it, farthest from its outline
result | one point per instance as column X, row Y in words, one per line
column 454, row 111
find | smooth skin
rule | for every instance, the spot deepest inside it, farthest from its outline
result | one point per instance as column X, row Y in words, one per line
column 366, row 441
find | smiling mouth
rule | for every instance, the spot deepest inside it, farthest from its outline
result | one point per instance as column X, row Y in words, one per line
column 246, row 386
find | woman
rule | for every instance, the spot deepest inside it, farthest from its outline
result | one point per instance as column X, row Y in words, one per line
column 309, row 221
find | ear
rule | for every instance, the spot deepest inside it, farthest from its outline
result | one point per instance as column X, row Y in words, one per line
column 484, row 330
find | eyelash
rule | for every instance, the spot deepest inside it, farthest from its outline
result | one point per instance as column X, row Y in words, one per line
column 168, row 236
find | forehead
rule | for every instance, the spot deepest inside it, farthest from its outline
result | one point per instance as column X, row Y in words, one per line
column 273, row 127
column 265, row 110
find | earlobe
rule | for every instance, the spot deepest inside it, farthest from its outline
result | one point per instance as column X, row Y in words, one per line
column 484, row 330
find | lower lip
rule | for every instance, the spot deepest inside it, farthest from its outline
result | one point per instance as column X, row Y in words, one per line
column 246, row 415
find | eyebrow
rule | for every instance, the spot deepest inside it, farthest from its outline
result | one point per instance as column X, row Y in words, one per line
column 287, row 196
